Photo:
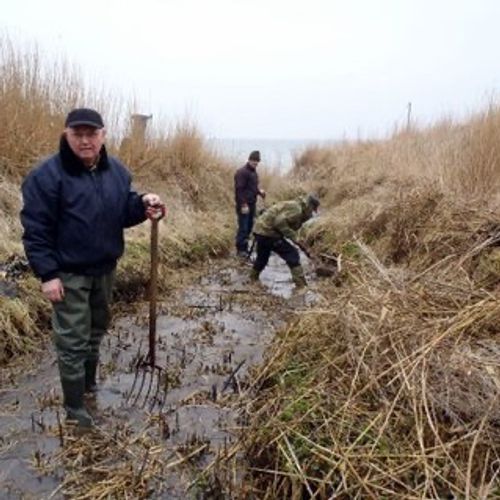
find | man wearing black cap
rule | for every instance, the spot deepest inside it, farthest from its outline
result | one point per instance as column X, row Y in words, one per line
column 76, row 205
column 246, row 190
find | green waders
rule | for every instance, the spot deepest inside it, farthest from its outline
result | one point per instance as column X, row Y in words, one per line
column 79, row 323
column 254, row 275
column 298, row 276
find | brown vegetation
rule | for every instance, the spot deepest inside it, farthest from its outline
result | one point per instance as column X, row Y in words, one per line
column 391, row 387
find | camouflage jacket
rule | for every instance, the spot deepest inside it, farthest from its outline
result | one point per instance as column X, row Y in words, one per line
column 283, row 219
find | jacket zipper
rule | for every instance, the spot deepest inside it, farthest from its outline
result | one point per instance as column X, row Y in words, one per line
column 100, row 204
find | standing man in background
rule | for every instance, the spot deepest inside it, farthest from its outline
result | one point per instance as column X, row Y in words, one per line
column 76, row 204
column 246, row 190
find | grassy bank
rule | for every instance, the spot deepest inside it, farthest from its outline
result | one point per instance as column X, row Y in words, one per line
column 390, row 388
column 35, row 95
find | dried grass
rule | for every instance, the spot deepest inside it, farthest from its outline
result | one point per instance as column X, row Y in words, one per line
column 23, row 320
column 122, row 464
column 391, row 387
column 459, row 158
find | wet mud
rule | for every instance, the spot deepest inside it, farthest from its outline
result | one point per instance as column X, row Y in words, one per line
column 210, row 335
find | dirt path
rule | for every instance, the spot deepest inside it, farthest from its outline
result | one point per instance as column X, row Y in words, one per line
column 206, row 332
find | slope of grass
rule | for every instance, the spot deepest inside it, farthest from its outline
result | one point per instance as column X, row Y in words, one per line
column 390, row 387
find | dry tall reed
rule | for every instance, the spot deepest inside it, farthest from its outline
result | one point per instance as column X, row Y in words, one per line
column 390, row 388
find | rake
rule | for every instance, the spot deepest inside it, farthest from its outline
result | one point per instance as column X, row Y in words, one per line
column 146, row 386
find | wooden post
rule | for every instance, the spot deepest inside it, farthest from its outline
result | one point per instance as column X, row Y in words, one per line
column 408, row 117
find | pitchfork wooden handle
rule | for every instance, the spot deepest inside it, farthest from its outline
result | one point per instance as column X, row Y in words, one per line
column 153, row 286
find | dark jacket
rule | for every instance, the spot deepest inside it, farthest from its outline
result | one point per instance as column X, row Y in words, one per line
column 246, row 186
column 73, row 217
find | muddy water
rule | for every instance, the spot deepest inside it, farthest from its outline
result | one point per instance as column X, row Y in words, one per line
column 209, row 335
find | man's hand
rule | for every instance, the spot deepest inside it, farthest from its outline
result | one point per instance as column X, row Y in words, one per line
column 151, row 199
column 53, row 290
column 300, row 243
column 155, row 208
column 156, row 212
column 245, row 209
column 304, row 247
column 262, row 193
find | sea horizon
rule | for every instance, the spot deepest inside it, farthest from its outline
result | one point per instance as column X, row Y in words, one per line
column 275, row 153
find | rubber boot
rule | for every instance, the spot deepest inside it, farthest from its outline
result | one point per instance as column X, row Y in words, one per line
column 254, row 275
column 73, row 402
column 90, row 376
column 298, row 276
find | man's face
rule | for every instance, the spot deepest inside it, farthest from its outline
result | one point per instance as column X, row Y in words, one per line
column 85, row 142
column 253, row 163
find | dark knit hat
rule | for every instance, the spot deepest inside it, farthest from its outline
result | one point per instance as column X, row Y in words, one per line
column 254, row 156
column 84, row 116
column 313, row 201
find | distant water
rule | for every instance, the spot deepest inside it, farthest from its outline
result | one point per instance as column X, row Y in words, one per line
column 275, row 153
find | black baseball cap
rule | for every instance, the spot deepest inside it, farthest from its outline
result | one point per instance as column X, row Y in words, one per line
column 84, row 116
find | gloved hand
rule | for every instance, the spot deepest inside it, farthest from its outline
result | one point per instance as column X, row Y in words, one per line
column 304, row 247
column 301, row 244
column 156, row 211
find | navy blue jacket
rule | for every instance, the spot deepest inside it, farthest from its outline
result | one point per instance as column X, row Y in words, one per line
column 246, row 186
column 73, row 217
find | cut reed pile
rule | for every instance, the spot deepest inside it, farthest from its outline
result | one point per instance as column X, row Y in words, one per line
column 124, row 463
column 390, row 388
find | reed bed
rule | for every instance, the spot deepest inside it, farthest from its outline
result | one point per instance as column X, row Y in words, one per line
column 390, row 386
column 390, row 389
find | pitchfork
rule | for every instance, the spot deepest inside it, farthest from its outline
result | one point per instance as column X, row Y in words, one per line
column 147, row 379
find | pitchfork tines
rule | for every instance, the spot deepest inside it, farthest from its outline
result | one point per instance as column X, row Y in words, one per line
column 147, row 384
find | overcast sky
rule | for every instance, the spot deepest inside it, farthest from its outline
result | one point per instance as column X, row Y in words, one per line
column 318, row 69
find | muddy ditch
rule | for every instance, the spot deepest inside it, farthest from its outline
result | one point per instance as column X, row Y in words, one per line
column 171, row 443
